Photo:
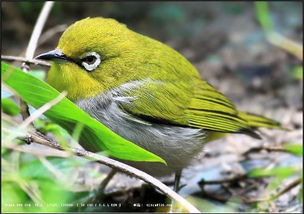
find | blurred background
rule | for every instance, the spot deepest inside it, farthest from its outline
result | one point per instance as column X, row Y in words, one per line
column 218, row 37
column 234, row 45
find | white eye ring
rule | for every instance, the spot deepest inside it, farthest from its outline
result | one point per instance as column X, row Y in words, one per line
column 93, row 66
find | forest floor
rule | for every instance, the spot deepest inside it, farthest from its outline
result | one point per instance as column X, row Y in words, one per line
column 258, row 78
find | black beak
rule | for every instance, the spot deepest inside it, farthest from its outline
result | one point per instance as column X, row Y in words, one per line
column 52, row 55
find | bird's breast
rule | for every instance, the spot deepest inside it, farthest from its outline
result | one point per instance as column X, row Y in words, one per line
column 177, row 145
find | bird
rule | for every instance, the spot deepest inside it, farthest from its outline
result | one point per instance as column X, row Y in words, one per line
column 144, row 91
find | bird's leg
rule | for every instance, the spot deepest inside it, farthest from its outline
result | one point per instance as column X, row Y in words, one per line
column 177, row 180
column 176, row 187
column 105, row 181
column 100, row 190
column 97, row 194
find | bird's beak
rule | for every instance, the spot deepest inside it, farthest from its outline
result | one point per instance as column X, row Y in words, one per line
column 52, row 55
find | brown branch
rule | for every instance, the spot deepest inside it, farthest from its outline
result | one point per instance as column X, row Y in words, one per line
column 99, row 192
column 23, row 59
column 268, row 149
column 290, row 186
column 37, row 138
column 228, row 180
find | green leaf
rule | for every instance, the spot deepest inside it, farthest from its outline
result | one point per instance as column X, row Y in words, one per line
column 10, row 107
column 277, row 171
column 296, row 149
column 13, row 195
column 94, row 136
column 297, row 72
column 263, row 16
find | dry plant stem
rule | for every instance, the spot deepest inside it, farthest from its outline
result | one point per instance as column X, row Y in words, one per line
column 42, row 109
column 23, row 59
column 100, row 190
column 25, row 113
column 51, row 32
column 290, row 186
column 118, row 166
column 229, row 180
column 105, row 182
column 30, row 51
column 286, row 44
column 268, row 149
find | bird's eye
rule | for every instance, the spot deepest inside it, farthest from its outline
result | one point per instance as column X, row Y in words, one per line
column 91, row 61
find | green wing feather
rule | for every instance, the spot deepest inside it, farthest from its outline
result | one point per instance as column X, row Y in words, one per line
column 256, row 121
column 197, row 105
column 211, row 110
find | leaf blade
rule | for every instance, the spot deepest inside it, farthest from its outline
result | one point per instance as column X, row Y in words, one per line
column 67, row 114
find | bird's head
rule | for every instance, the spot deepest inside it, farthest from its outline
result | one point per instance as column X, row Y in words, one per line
column 93, row 55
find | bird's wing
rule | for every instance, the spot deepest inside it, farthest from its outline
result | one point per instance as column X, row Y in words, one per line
column 196, row 105
column 209, row 109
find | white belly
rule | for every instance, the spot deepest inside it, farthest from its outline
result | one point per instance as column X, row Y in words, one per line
column 176, row 145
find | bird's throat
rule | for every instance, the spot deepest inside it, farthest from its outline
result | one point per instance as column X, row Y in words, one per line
column 78, row 85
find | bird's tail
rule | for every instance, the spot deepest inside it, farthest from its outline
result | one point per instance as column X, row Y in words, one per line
column 256, row 121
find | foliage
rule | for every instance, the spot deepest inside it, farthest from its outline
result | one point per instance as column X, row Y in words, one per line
column 29, row 186
column 262, row 14
column 10, row 107
column 32, row 183
column 279, row 175
column 94, row 135
column 264, row 18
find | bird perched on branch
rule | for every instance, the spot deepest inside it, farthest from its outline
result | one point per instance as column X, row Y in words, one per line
column 144, row 91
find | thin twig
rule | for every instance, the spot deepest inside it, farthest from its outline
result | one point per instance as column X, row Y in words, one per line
column 42, row 109
column 23, row 59
column 290, row 186
column 30, row 51
column 50, row 33
column 228, row 180
column 268, row 149
column 286, row 44
column 118, row 166
column 32, row 45
column 25, row 113
column 58, row 174
column 100, row 190
column 106, row 181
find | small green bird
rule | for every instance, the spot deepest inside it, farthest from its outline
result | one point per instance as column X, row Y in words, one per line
column 144, row 91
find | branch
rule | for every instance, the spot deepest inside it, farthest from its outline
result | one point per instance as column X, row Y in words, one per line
column 115, row 165
column 268, row 149
column 228, row 180
column 42, row 109
column 23, row 59
column 32, row 45
column 286, row 44
column 50, row 33
column 290, row 186
column 30, row 51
